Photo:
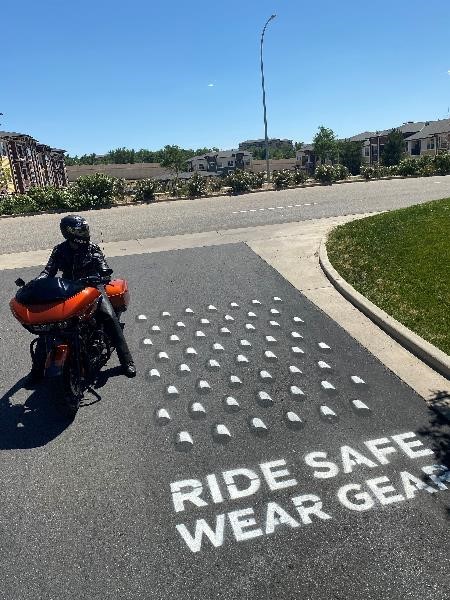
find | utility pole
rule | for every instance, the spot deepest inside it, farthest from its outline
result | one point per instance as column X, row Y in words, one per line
column 264, row 98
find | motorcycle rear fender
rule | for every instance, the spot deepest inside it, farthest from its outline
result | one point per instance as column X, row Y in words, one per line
column 56, row 359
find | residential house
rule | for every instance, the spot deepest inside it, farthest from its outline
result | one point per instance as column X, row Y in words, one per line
column 433, row 138
column 379, row 139
column 26, row 163
column 222, row 162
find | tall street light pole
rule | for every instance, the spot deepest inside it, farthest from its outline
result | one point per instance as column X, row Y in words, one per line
column 264, row 97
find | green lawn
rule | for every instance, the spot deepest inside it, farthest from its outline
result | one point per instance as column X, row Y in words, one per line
column 401, row 262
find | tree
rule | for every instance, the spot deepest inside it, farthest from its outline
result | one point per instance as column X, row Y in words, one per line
column 325, row 144
column 394, row 148
column 350, row 155
column 174, row 159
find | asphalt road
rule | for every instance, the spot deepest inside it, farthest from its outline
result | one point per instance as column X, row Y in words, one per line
column 227, row 212
column 330, row 500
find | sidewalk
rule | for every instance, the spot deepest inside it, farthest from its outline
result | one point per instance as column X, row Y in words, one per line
column 293, row 250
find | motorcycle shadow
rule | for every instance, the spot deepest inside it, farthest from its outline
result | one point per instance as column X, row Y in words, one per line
column 33, row 417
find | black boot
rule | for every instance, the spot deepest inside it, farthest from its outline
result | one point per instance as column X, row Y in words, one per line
column 129, row 369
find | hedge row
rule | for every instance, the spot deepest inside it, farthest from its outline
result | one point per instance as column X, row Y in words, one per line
column 424, row 166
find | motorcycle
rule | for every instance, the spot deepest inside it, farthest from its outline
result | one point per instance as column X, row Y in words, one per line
column 71, row 332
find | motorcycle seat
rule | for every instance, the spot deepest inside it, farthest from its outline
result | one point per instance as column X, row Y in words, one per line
column 49, row 289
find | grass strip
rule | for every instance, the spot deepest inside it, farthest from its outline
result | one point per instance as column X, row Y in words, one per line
column 400, row 261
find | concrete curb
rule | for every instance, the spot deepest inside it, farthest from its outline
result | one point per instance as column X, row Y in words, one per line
column 429, row 354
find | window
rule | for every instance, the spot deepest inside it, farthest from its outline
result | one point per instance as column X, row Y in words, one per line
column 201, row 167
column 430, row 144
column 367, row 151
column 231, row 163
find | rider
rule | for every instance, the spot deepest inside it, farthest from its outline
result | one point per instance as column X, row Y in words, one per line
column 78, row 257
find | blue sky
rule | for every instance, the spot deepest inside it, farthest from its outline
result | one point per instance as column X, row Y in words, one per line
column 93, row 75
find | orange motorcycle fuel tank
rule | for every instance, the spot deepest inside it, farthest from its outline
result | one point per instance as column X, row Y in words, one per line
column 118, row 294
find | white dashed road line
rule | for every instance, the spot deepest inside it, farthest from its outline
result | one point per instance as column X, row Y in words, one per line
column 236, row 212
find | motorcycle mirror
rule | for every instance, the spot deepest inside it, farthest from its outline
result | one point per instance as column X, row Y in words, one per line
column 19, row 282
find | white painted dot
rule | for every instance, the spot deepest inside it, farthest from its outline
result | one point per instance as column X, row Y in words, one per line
column 323, row 365
column 277, row 299
column 141, row 318
column 231, row 404
column 256, row 302
column 357, row 379
column 265, row 375
column 271, row 340
column 163, row 356
column 296, row 335
column 323, row 346
column 234, row 305
column 327, row 413
column 165, row 314
column 163, row 416
column 184, row 369
column 296, row 391
column 183, row 441
column 274, row 324
column 298, row 320
column 221, row 433
column 190, row 351
column 271, row 208
column 250, row 327
column 293, row 420
column 212, row 365
column 203, row 386
column 174, row 339
column 293, row 370
column 188, row 311
column 252, row 315
column 180, row 325
column 297, row 350
column 156, row 329
column 258, row 425
column 146, row 342
column 171, row 390
column 217, row 347
column 327, row 386
column 274, row 311
column 245, row 344
column 199, row 334
column 212, row 308
column 228, row 318
column 154, row 374
column 205, row 322
column 264, row 399
column 269, row 355
column 359, row 405
column 235, row 381
column 197, row 410
column 240, row 358
column 224, row 331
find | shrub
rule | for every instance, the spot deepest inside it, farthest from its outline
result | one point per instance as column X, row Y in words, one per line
column 324, row 174
column 145, row 190
column 408, row 167
column 426, row 166
column 17, row 204
column 257, row 179
column 91, row 191
column 442, row 163
column 196, row 186
column 369, row 172
column 49, row 197
column 215, row 184
column 393, row 170
column 299, row 177
column 178, row 188
column 341, row 172
column 240, row 181
column 119, row 188
column 282, row 179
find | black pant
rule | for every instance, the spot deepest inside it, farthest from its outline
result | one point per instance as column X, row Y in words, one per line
column 114, row 329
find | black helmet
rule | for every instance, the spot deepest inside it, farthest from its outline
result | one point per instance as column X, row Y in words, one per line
column 75, row 229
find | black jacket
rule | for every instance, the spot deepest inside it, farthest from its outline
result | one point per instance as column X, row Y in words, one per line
column 84, row 261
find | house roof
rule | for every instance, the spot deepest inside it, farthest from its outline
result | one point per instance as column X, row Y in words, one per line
column 306, row 147
column 4, row 134
column 361, row 137
column 431, row 128
column 409, row 127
